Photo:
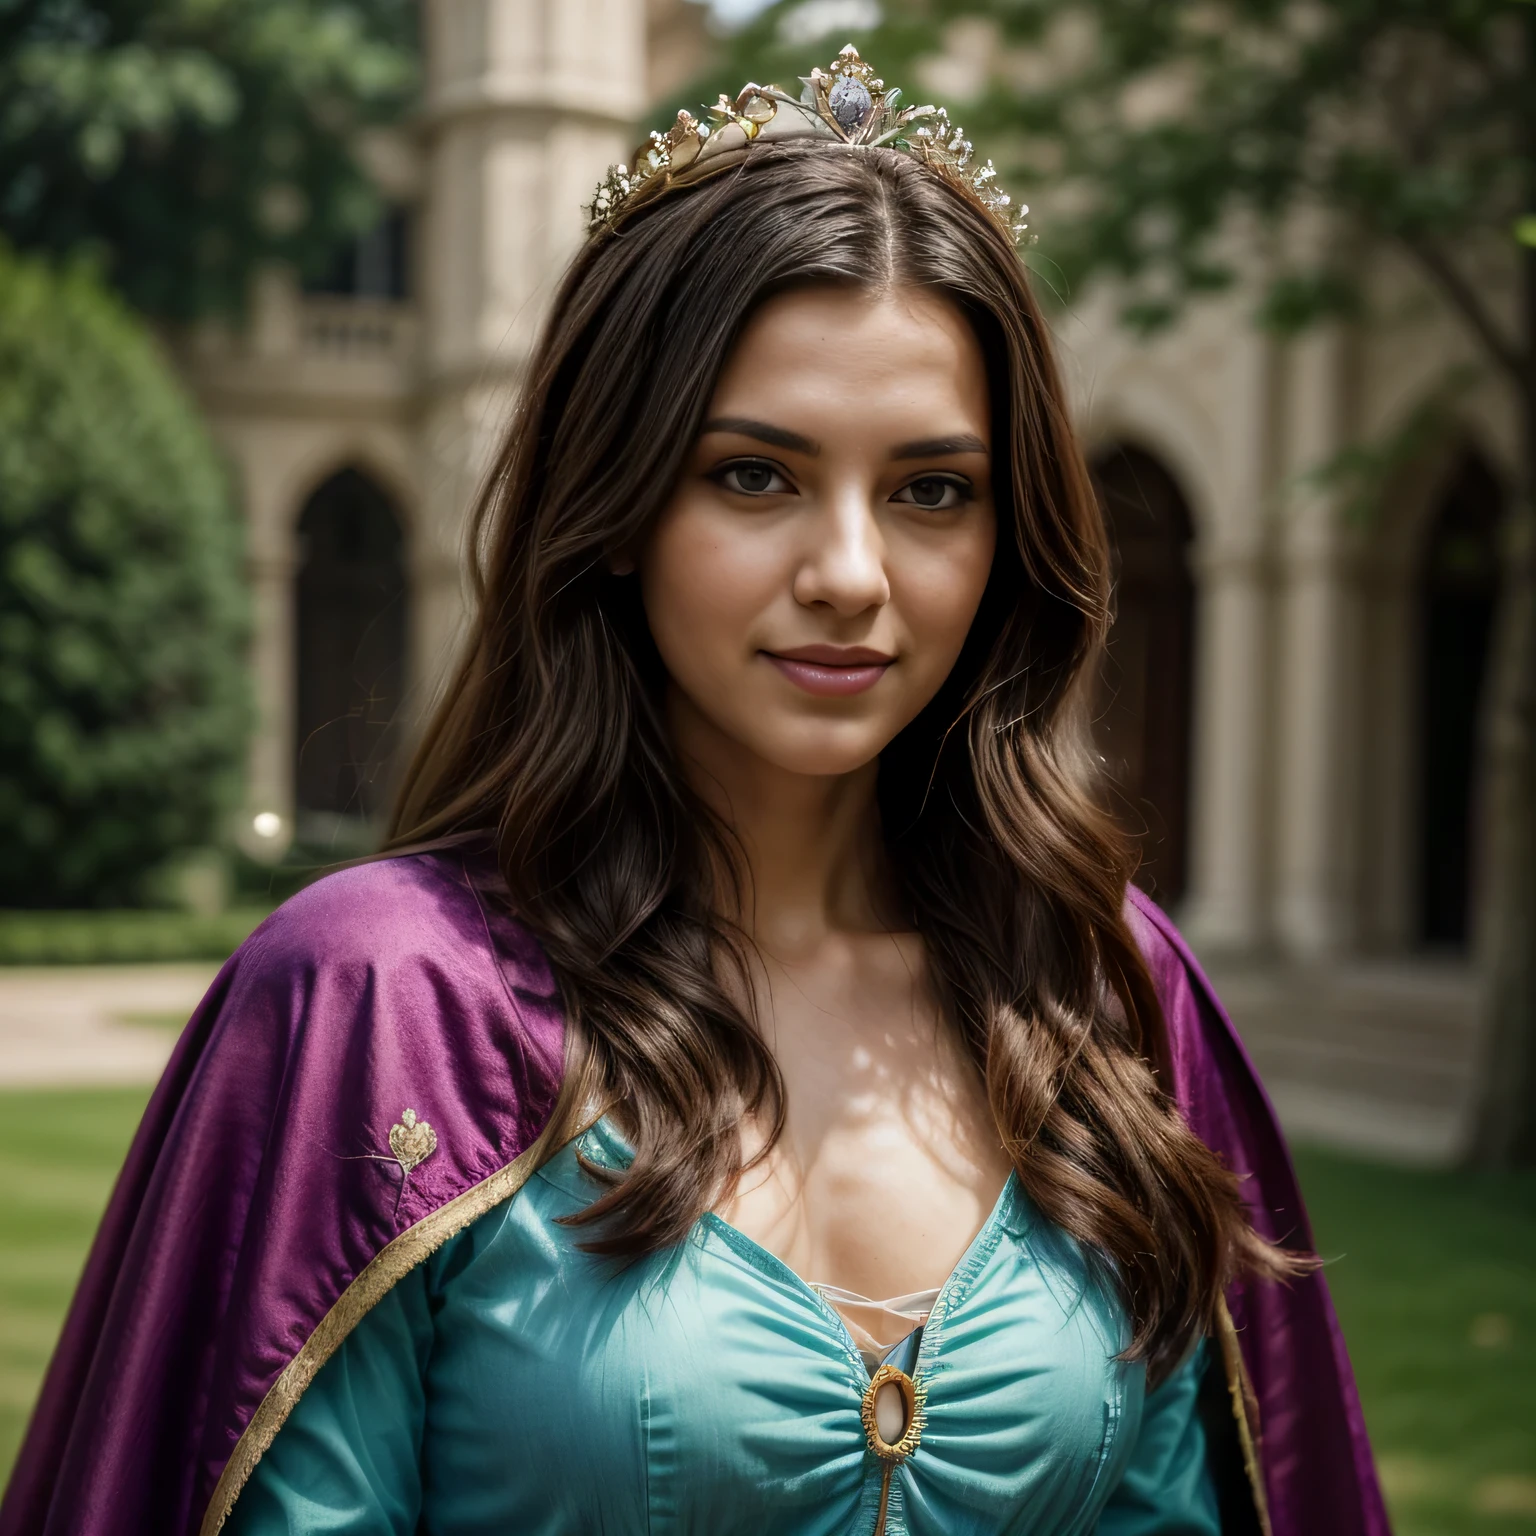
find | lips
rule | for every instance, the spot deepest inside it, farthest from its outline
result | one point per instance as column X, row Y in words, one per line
column 831, row 671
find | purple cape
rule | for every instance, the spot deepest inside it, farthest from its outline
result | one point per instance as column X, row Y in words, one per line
column 274, row 1192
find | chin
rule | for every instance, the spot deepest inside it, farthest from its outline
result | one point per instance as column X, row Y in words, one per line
column 822, row 750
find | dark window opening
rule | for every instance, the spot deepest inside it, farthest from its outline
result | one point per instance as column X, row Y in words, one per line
column 1458, row 593
column 1144, row 706
column 350, row 654
column 375, row 265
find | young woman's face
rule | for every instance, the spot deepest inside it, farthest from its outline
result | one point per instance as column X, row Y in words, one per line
column 813, row 577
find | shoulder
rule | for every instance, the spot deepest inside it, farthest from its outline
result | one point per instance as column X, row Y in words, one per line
column 393, row 913
column 1203, row 1046
column 391, row 985
column 1176, row 974
column 419, row 920
column 404, row 970
column 1214, row 1081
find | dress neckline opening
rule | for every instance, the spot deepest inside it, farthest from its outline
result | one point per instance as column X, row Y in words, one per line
column 616, row 1151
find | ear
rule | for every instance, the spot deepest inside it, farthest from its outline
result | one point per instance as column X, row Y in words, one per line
column 621, row 562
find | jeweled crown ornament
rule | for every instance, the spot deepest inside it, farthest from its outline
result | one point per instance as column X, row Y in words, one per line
column 846, row 103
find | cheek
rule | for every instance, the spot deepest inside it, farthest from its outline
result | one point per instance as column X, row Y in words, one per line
column 940, row 589
column 702, row 586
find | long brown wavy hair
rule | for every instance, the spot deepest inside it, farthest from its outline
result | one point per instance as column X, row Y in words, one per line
column 551, row 735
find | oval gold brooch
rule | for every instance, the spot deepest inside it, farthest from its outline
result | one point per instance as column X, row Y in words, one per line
column 892, row 1412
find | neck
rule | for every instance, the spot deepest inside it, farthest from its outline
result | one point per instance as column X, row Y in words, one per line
column 815, row 863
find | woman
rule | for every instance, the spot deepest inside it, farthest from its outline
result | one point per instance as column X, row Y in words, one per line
column 802, row 1127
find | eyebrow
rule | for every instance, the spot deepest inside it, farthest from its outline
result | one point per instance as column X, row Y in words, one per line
column 782, row 437
column 764, row 432
column 940, row 447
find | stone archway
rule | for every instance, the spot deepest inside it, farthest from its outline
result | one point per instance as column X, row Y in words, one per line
column 1457, row 591
column 1144, row 708
column 350, row 653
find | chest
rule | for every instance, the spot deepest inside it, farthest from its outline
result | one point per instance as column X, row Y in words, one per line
column 712, row 1391
column 889, row 1160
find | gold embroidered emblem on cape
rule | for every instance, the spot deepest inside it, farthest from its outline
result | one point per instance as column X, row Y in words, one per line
column 412, row 1141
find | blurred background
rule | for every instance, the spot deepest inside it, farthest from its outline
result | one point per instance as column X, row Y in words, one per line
column 269, row 272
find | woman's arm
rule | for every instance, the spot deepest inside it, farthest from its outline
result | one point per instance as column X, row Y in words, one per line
column 1167, row 1488
column 348, row 1460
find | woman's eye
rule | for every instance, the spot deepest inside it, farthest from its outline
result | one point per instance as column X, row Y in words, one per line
column 753, row 478
column 933, row 493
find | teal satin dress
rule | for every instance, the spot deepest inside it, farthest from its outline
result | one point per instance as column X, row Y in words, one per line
column 513, row 1386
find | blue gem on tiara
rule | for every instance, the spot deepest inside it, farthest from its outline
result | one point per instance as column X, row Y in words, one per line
column 850, row 102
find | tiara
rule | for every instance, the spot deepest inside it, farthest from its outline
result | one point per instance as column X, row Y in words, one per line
column 845, row 104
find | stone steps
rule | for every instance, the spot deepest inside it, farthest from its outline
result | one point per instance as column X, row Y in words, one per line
column 1370, row 1056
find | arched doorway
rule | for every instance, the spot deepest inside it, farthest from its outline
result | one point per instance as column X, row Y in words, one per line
column 1144, row 706
column 1458, row 591
column 350, row 652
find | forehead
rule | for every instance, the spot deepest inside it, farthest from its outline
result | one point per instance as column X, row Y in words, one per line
column 839, row 357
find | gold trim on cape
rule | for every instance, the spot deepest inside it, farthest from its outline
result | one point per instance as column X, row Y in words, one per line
column 1245, row 1410
column 390, row 1264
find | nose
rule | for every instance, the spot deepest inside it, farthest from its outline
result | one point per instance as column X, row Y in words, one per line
column 844, row 563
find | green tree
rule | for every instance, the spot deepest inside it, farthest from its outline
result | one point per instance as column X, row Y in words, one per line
column 123, row 692
column 1408, row 124
column 186, row 141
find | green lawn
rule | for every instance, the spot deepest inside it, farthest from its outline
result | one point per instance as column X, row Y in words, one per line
column 1434, row 1273
column 58, row 1157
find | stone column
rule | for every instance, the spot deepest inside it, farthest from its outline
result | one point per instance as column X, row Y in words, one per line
column 1224, row 910
column 527, row 104
column 269, row 781
column 265, row 825
column 1315, row 839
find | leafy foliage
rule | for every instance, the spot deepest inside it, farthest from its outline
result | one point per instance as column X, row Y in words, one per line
column 186, row 141
column 123, row 694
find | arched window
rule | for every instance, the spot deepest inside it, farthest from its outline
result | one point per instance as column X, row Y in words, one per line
column 350, row 653
column 1458, row 590
column 1144, row 705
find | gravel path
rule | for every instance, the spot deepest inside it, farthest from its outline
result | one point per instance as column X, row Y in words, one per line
column 100, row 1024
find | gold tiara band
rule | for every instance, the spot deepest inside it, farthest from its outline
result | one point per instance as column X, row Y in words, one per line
column 845, row 104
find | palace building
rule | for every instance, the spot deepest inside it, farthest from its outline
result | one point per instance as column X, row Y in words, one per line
column 1292, row 698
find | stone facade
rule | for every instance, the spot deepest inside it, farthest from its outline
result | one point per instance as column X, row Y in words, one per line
column 526, row 104
column 1291, row 647
column 1314, row 654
